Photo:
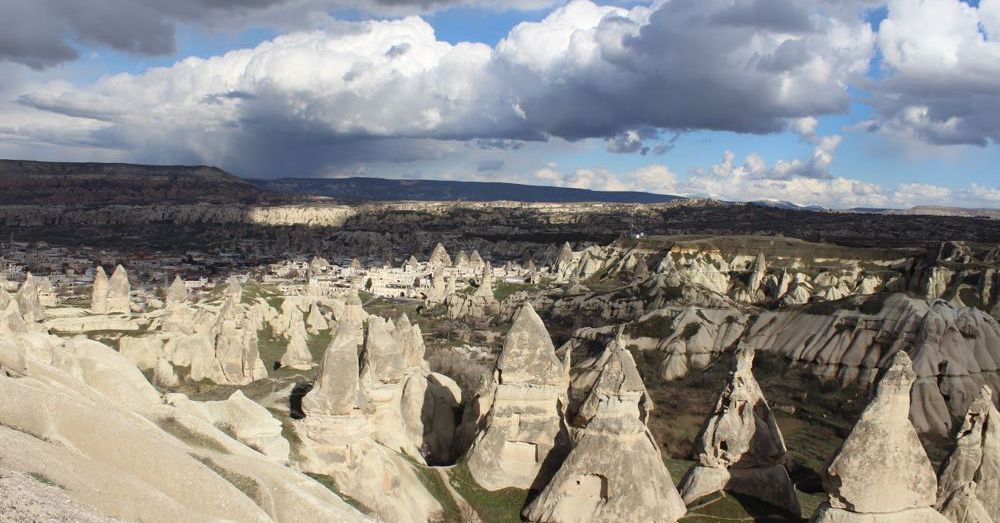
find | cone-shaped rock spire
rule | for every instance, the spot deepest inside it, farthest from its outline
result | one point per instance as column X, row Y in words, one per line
column 881, row 472
column 740, row 447
column 615, row 472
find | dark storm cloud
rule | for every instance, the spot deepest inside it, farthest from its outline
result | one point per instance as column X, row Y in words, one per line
column 776, row 15
column 42, row 33
column 586, row 71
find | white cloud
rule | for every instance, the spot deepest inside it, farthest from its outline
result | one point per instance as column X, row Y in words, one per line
column 910, row 194
column 315, row 100
column 942, row 72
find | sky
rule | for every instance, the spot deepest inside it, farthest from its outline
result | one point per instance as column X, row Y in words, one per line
column 838, row 103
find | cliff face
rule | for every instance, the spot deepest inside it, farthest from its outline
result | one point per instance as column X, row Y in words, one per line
column 59, row 183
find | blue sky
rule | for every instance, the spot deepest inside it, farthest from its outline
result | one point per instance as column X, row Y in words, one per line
column 564, row 100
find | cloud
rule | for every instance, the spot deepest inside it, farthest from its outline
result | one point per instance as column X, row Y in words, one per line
column 653, row 178
column 941, row 60
column 42, row 33
column 323, row 98
column 910, row 194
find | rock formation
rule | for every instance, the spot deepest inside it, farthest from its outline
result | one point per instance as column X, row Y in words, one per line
column 462, row 261
column 88, row 422
column 437, row 293
column 740, row 447
column 337, row 441
column 316, row 321
column 480, row 304
column 99, row 292
column 969, row 485
column 234, row 289
column 615, row 472
column 119, row 291
column 297, row 355
column 439, row 258
column 476, row 261
column 243, row 419
column 950, row 347
column 28, row 303
column 525, row 435
column 236, row 352
column 177, row 293
column 881, row 472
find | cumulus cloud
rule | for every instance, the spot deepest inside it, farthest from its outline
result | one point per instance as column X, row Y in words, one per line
column 653, row 178
column 323, row 98
column 941, row 60
column 42, row 33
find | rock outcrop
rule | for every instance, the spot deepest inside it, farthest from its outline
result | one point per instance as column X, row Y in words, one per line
column 177, row 293
column 881, row 472
column 337, row 441
column 88, row 421
column 953, row 349
column 119, row 291
column 482, row 303
column 99, row 292
column 969, row 484
column 236, row 353
column 525, row 436
column 28, row 302
column 297, row 354
column 615, row 472
column 439, row 258
column 740, row 447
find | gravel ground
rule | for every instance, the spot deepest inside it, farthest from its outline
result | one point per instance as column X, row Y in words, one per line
column 26, row 499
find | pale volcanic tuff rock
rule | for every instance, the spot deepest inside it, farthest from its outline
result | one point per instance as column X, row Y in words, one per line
column 89, row 422
column 564, row 262
column 177, row 293
column 525, row 435
column 28, row 302
column 482, row 303
column 99, row 292
column 954, row 350
column 316, row 321
column 476, row 260
column 881, row 472
column 337, row 441
column 698, row 337
column 615, row 472
column 437, row 293
column 318, row 215
column 236, row 352
column 969, row 481
column 177, row 314
column 740, row 447
column 119, row 291
column 297, row 355
column 241, row 418
column 462, row 260
column 234, row 290
column 410, row 408
column 439, row 258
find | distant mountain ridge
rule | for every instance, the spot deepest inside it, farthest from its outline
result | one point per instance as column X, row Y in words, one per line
column 71, row 183
column 360, row 189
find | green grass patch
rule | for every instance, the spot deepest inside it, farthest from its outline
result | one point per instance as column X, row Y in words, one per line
column 331, row 485
column 175, row 428
column 501, row 506
column 245, row 484
column 42, row 478
column 434, row 484
column 505, row 289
